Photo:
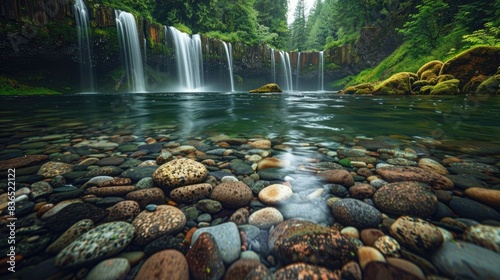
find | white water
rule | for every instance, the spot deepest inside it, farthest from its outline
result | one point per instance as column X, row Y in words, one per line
column 287, row 70
column 297, row 75
column 189, row 59
column 131, row 49
column 273, row 66
column 83, row 26
column 321, row 71
column 229, row 56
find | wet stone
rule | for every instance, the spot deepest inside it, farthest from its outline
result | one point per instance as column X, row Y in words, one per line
column 417, row 234
column 40, row 189
column 240, row 168
column 111, row 161
column 304, row 241
column 70, row 235
column 465, row 181
column 125, row 210
column 137, row 173
column 73, row 213
column 353, row 212
column 227, row 238
column 105, row 171
column 167, row 264
column 191, row 193
column 468, row 208
column 232, row 194
column 462, row 260
column 147, row 196
column 52, row 169
column 305, row 271
column 204, row 258
column 103, row 241
column 406, row 198
column 409, row 173
column 115, row 268
column 151, row 225
column 167, row 242
column 179, row 172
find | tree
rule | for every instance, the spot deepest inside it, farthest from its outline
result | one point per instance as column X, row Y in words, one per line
column 427, row 26
column 299, row 27
column 272, row 15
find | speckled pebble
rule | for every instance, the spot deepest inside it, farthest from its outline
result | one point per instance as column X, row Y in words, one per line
column 103, row 241
column 151, row 225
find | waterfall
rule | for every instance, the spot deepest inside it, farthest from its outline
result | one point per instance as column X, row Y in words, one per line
column 297, row 75
column 129, row 42
column 287, row 70
column 321, row 71
column 273, row 66
column 189, row 58
column 83, row 27
column 229, row 56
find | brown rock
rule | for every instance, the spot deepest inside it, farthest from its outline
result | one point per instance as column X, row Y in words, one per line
column 52, row 169
column 370, row 235
column 432, row 165
column 410, row 173
column 164, row 220
column 179, row 172
column 191, row 193
column 110, row 191
column 342, row 177
column 406, row 266
column 473, row 62
column 351, row 271
column 406, row 198
column 267, row 89
column 204, row 258
column 361, row 191
column 165, row 265
column 416, row 234
column 240, row 216
column 116, row 182
column 21, row 161
column 489, row 197
column 261, row 144
column 275, row 194
column 271, row 163
column 385, row 271
column 369, row 254
column 232, row 194
column 125, row 210
column 306, row 271
column 147, row 196
column 241, row 268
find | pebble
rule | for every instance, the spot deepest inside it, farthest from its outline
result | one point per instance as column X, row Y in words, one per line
column 125, row 210
column 209, row 205
column 468, row 208
column 265, row 218
column 179, row 172
column 204, row 258
column 232, row 194
column 70, row 235
column 410, row 173
column 103, row 241
column 484, row 235
column 489, row 197
column 151, row 225
column 275, row 194
column 369, row 254
column 353, row 212
column 227, row 237
column 416, row 234
column 341, row 177
column 406, row 198
column 52, row 169
column 191, row 193
column 166, row 264
column 147, row 196
column 110, row 269
column 462, row 260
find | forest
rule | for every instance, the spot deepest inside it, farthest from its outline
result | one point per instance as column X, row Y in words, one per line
column 419, row 30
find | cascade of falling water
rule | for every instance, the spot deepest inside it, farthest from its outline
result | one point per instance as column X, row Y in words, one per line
column 229, row 55
column 189, row 58
column 273, row 66
column 83, row 27
column 321, row 71
column 297, row 75
column 287, row 70
column 131, row 49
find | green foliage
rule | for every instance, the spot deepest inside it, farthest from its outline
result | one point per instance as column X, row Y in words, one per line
column 13, row 87
column 298, row 38
column 143, row 8
column 425, row 28
column 490, row 36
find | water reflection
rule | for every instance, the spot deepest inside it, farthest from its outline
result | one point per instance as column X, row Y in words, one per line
column 299, row 117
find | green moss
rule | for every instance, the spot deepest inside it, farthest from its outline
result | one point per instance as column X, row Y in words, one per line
column 12, row 87
column 345, row 162
column 448, row 87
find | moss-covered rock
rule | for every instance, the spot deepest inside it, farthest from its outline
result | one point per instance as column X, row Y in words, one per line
column 444, row 78
column 476, row 61
column 365, row 88
column 430, row 70
column 267, row 88
column 490, row 85
column 448, row 87
column 426, row 90
column 473, row 84
column 397, row 84
column 418, row 85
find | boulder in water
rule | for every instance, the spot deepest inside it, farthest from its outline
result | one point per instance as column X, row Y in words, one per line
column 267, row 88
